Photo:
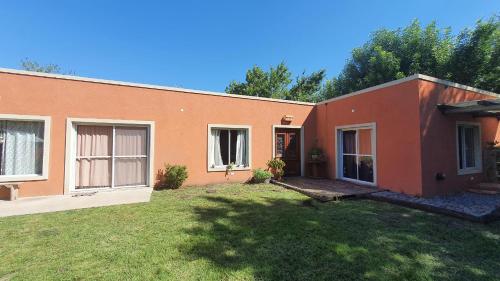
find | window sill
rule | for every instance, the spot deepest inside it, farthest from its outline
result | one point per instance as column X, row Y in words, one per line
column 223, row 169
column 21, row 178
column 469, row 172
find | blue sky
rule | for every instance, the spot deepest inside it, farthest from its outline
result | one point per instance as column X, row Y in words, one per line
column 206, row 44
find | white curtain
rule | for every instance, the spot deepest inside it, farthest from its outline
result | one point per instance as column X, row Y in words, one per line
column 94, row 150
column 215, row 156
column 21, row 156
column 132, row 169
column 241, row 148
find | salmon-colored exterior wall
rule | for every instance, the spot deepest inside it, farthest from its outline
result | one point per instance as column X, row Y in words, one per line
column 438, row 138
column 395, row 112
column 414, row 140
column 181, row 122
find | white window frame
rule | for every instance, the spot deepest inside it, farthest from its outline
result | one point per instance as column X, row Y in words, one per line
column 71, row 139
column 230, row 127
column 46, row 147
column 339, row 154
column 477, row 149
column 302, row 143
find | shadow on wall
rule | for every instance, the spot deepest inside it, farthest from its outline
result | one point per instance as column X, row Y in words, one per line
column 438, row 138
column 280, row 239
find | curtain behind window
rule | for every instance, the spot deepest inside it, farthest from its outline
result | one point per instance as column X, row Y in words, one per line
column 94, row 150
column 241, row 153
column 214, row 154
column 22, row 149
column 131, row 156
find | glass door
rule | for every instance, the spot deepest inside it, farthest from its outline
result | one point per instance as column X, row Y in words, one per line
column 356, row 154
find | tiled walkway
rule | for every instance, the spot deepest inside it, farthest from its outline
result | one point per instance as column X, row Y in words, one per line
column 467, row 205
column 325, row 189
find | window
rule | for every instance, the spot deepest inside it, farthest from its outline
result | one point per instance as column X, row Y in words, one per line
column 228, row 144
column 23, row 147
column 356, row 156
column 468, row 148
column 111, row 156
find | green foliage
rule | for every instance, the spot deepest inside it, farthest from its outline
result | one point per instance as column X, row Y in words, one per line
column 476, row 59
column 276, row 83
column 260, row 175
column 276, row 166
column 173, row 176
column 30, row 65
column 307, row 87
column 471, row 58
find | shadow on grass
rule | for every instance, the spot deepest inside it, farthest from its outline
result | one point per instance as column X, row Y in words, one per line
column 291, row 239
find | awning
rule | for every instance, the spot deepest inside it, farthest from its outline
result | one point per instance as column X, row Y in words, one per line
column 476, row 108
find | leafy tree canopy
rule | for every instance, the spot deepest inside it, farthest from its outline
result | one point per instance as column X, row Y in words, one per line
column 277, row 83
column 472, row 58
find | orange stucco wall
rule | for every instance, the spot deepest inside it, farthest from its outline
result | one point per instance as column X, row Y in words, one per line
column 395, row 111
column 180, row 136
column 438, row 135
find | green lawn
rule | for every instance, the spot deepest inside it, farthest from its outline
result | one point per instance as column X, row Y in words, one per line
column 247, row 232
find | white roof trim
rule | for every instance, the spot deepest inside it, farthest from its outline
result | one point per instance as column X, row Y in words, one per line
column 409, row 78
column 146, row 86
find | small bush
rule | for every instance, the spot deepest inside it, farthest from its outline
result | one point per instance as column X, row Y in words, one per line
column 173, row 176
column 260, row 175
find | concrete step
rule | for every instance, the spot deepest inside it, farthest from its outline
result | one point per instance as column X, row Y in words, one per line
column 484, row 191
column 489, row 186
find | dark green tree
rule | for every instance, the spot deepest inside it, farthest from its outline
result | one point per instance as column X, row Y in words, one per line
column 259, row 83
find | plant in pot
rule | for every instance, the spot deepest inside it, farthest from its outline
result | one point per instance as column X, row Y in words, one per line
column 276, row 167
column 230, row 168
column 261, row 176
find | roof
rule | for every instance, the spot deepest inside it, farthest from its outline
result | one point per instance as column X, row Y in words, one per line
column 476, row 108
column 145, row 86
column 410, row 78
column 200, row 92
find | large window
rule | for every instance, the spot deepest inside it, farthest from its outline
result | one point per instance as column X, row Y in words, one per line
column 111, row 156
column 22, row 147
column 356, row 158
column 228, row 145
column 468, row 148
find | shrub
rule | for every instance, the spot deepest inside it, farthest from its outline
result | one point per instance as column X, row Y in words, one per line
column 260, row 175
column 173, row 176
column 276, row 167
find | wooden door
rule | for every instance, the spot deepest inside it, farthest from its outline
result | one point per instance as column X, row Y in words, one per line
column 287, row 148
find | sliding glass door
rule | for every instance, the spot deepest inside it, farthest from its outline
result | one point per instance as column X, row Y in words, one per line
column 356, row 157
column 111, row 156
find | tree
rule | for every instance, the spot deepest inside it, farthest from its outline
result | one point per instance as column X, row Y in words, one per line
column 259, row 83
column 476, row 58
column 31, row 65
column 472, row 58
column 276, row 83
column 307, row 87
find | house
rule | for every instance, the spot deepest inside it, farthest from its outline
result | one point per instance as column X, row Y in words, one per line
column 64, row 134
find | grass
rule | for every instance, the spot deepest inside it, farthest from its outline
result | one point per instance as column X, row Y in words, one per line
column 247, row 232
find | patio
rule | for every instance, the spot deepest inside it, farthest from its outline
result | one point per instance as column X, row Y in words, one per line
column 47, row 204
column 325, row 189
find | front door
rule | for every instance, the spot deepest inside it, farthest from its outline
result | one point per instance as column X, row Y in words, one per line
column 287, row 148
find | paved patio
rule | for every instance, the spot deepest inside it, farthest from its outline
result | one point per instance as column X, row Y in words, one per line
column 46, row 204
column 325, row 189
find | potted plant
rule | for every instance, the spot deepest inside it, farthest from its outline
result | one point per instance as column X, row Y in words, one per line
column 276, row 166
column 230, row 168
column 316, row 153
column 261, row 176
